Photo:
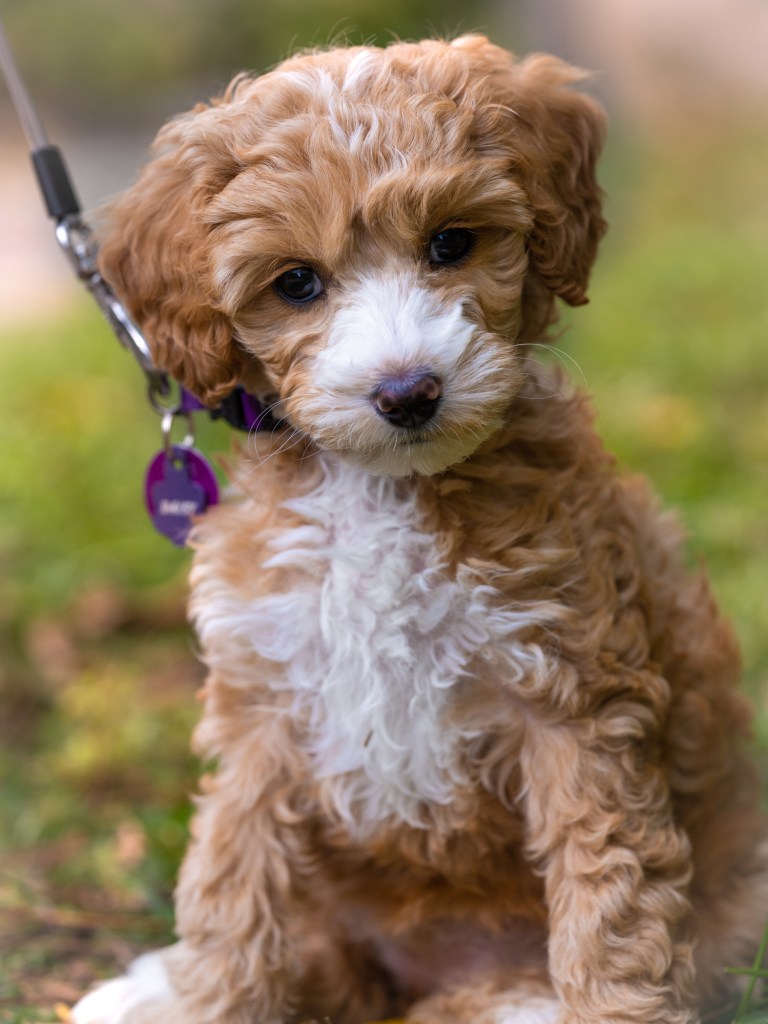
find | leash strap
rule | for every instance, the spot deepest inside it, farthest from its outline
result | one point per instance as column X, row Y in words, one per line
column 72, row 232
column 240, row 409
column 50, row 169
column 30, row 122
column 180, row 483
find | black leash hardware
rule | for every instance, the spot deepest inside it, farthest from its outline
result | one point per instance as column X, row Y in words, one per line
column 180, row 484
column 75, row 238
column 72, row 232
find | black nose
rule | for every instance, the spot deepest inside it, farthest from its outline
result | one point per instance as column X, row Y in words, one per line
column 408, row 400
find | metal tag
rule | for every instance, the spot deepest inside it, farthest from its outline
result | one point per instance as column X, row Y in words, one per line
column 180, row 484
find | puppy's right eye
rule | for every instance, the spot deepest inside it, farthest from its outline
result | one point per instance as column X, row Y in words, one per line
column 299, row 284
column 449, row 245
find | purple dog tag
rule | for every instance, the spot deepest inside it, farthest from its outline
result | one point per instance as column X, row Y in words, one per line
column 177, row 488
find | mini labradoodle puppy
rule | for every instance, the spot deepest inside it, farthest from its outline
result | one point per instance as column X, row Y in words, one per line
column 476, row 728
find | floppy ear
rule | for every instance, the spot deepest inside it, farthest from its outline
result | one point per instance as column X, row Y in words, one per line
column 551, row 136
column 155, row 253
column 560, row 134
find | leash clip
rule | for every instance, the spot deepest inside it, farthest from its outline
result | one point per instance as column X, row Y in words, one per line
column 180, row 483
column 76, row 239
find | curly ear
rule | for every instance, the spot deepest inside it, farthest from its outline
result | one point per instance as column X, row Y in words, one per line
column 551, row 136
column 560, row 133
column 154, row 252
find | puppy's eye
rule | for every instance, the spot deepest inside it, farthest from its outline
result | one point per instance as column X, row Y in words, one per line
column 300, row 284
column 450, row 245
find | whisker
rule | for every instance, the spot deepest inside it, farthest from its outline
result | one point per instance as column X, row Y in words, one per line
column 559, row 354
column 536, row 381
column 310, row 452
column 291, row 441
column 255, row 429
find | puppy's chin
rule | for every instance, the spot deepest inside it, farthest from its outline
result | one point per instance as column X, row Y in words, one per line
column 419, row 454
column 345, row 423
column 358, row 436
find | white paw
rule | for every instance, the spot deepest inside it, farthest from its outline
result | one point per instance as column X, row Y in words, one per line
column 111, row 1003
column 535, row 1011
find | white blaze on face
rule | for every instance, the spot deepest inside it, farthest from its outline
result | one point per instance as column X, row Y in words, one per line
column 391, row 327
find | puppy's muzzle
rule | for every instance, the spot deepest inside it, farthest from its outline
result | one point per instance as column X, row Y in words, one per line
column 408, row 400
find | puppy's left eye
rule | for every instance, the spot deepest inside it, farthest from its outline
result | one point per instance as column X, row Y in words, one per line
column 300, row 284
column 449, row 245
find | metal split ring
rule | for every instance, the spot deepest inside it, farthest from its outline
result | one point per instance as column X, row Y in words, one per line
column 166, row 427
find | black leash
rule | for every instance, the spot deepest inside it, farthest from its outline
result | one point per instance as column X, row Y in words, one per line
column 180, row 482
column 72, row 233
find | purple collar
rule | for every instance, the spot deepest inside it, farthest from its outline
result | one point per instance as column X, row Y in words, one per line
column 240, row 409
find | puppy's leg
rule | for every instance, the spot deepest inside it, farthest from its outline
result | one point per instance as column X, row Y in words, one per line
column 617, row 869
column 234, row 963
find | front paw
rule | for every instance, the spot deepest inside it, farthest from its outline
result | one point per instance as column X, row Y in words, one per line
column 142, row 996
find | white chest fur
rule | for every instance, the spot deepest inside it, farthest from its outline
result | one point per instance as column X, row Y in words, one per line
column 374, row 643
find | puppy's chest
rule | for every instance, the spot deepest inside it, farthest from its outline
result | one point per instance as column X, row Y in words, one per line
column 375, row 642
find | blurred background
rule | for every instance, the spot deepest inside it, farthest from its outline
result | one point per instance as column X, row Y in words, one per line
column 97, row 669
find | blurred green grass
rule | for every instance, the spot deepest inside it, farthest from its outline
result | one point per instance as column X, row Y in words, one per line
column 97, row 668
